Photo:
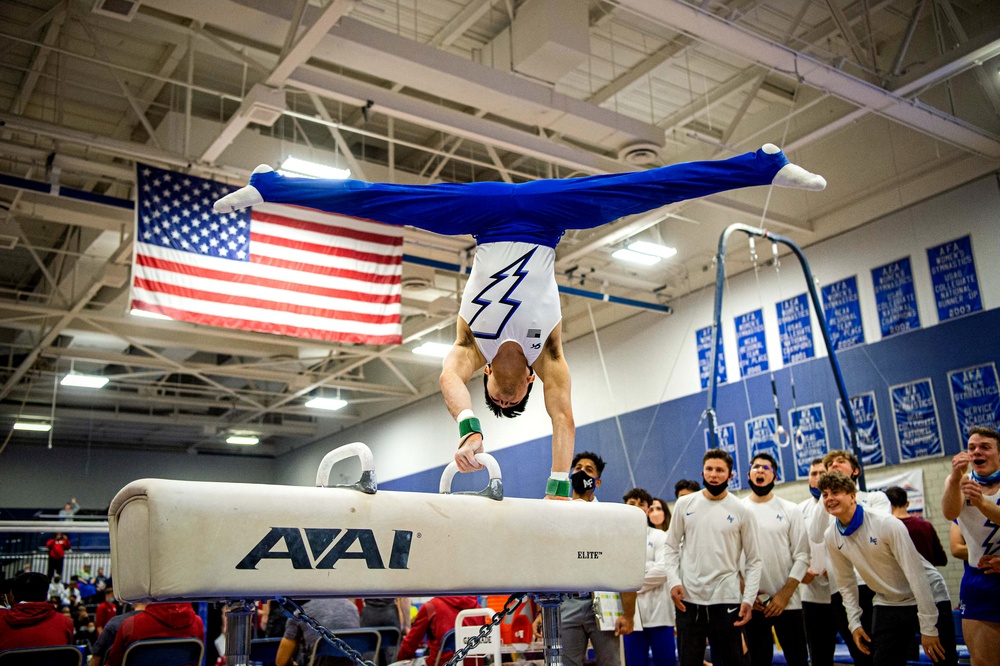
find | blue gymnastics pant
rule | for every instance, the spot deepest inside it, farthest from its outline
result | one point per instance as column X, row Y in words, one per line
column 538, row 211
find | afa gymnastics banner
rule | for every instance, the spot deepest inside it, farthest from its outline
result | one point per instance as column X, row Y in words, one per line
column 760, row 439
column 704, row 340
column 795, row 329
column 727, row 442
column 917, row 426
column 843, row 313
column 895, row 298
column 976, row 398
column 751, row 343
column 865, row 413
column 812, row 441
column 953, row 274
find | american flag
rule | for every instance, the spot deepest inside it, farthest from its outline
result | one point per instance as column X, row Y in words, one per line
column 278, row 269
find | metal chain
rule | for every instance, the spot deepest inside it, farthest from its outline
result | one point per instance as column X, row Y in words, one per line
column 294, row 611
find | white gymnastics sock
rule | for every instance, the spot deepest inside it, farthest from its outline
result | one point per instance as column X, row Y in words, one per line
column 243, row 197
column 792, row 175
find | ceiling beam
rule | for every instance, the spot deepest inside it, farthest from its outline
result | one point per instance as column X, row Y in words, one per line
column 461, row 22
column 38, row 64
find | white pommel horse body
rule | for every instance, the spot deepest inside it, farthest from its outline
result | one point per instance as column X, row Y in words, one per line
column 201, row 541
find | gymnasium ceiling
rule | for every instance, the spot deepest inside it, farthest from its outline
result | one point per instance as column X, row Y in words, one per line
column 892, row 100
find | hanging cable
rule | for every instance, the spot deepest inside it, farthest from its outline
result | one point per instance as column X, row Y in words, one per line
column 797, row 434
column 607, row 382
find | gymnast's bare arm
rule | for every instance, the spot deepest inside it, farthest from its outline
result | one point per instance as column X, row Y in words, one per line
column 551, row 368
column 462, row 361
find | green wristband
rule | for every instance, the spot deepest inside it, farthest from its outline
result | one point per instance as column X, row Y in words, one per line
column 557, row 487
column 469, row 426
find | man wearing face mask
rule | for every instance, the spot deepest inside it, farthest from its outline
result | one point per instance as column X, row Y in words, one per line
column 717, row 531
column 821, row 626
column 784, row 553
column 576, row 613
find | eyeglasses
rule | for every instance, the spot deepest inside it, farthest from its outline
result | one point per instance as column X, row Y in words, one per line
column 762, row 468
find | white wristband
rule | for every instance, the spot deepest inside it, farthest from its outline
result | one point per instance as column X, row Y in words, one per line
column 559, row 476
column 464, row 414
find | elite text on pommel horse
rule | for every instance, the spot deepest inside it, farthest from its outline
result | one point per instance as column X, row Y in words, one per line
column 234, row 542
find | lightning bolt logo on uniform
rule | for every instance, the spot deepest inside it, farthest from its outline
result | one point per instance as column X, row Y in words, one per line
column 516, row 269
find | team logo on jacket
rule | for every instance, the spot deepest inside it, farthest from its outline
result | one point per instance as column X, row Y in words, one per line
column 315, row 548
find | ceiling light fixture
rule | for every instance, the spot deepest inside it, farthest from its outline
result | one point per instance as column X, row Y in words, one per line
column 635, row 257
column 438, row 349
column 243, row 440
column 33, row 426
column 332, row 404
column 84, row 381
column 654, row 249
column 293, row 166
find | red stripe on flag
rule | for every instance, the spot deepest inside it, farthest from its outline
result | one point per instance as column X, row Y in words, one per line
column 265, row 327
column 393, row 278
column 329, row 229
column 209, row 296
column 328, row 250
column 194, row 271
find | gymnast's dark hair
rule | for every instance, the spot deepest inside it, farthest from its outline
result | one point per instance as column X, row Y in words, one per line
column 509, row 412
column 596, row 459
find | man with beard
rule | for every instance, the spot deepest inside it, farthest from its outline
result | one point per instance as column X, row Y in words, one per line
column 876, row 501
column 717, row 531
column 974, row 499
column 784, row 554
column 910, row 594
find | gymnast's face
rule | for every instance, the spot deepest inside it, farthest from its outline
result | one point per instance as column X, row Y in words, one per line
column 843, row 465
column 815, row 472
column 507, row 389
column 984, row 453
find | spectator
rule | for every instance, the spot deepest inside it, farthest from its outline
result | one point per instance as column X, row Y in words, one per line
column 922, row 533
column 82, row 617
column 784, row 554
column 69, row 510
column 685, row 487
column 910, row 594
column 32, row 621
column 58, row 590
column 434, row 618
column 383, row 612
column 821, row 625
column 86, row 635
column 653, row 602
column 107, row 609
column 299, row 638
column 159, row 620
column 875, row 501
column 57, row 547
column 106, row 638
column 972, row 496
column 100, row 580
column 704, row 575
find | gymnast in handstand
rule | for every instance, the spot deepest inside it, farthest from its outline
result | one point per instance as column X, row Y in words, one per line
column 510, row 320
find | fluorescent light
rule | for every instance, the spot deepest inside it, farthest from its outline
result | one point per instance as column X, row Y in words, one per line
column 293, row 166
column 438, row 349
column 33, row 426
column 84, row 381
column 245, row 440
column 655, row 249
column 326, row 403
column 635, row 257
column 149, row 315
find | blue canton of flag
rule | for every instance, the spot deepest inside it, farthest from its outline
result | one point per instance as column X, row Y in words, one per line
column 175, row 211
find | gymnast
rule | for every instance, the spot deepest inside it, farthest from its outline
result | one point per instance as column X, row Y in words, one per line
column 510, row 319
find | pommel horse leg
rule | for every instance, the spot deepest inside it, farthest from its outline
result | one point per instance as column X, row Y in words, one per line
column 238, row 614
column 551, row 635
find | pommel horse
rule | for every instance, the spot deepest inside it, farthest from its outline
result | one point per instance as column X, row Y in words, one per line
column 235, row 542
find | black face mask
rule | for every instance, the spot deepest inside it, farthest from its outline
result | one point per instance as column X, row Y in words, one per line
column 582, row 482
column 715, row 489
column 760, row 491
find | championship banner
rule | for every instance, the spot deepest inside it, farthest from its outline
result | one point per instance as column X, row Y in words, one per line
column 975, row 397
column 704, row 338
column 283, row 270
column 912, row 481
column 842, row 308
column 760, row 439
column 751, row 343
column 915, row 412
column 953, row 274
column 895, row 298
column 865, row 412
column 813, row 441
column 795, row 329
column 727, row 442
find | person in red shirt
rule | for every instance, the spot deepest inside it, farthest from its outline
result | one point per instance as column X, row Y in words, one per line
column 106, row 610
column 435, row 618
column 32, row 621
column 57, row 553
column 921, row 531
column 159, row 620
